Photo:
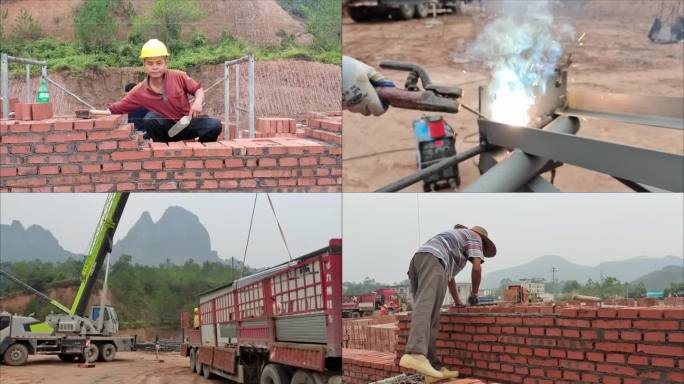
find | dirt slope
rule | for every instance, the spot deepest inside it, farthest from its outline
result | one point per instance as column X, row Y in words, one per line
column 254, row 21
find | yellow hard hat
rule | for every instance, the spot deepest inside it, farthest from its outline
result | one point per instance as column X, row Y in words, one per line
column 195, row 310
column 153, row 48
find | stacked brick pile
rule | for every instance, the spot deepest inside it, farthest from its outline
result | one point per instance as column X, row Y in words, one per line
column 375, row 334
column 31, row 111
column 106, row 154
column 628, row 345
column 325, row 126
column 362, row 367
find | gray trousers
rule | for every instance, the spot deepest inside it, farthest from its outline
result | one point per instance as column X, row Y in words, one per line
column 428, row 286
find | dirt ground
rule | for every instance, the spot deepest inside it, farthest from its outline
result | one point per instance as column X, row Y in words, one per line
column 128, row 368
column 616, row 57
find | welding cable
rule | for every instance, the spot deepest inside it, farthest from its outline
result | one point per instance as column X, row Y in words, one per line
column 379, row 153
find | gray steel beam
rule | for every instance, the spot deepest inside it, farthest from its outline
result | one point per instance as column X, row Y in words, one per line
column 541, row 185
column 519, row 168
column 659, row 111
column 25, row 61
column 646, row 166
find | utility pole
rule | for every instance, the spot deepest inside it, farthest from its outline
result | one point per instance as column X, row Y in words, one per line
column 553, row 279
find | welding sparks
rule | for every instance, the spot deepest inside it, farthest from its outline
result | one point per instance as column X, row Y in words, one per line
column 521, row 48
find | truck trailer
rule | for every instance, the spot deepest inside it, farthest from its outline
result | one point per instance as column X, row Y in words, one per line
column 281, row 325
column 365, row 10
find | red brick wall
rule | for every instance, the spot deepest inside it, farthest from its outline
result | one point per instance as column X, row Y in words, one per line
column 106, row 154
column 377, row 334
column 562, row 345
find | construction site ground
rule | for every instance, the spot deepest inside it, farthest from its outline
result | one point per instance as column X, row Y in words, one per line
column 616, row 57
column 128, row 368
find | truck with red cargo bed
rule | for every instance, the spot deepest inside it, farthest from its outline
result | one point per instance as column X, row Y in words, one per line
column 281, row 325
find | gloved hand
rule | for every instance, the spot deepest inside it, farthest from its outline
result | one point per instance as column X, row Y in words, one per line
column 473, row 299
column 358, row 87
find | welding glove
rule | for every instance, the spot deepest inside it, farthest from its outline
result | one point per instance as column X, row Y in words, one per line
column 358, row 87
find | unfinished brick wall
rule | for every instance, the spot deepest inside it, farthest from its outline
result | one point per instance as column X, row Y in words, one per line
column 363, row 366
column 537, row 345
column 106, row 154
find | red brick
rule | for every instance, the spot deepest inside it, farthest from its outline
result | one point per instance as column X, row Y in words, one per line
column 654, row 336
column 84, row 124
column 144, row 153
column 122, row 132
column 104, row 187
column 628, row 313
column 23, row 111
column 65, row 136
column 666, row 350
column 108, row 167
column 21, row 139
column 91, row 168
column 108, row 122
column 63, row 125
column 27, row 170
column 107, row 145
column 63, row 189
column 656, row 324
column 663, row 362
column 48, row 170
column 616, row 323
column 211, row 150
column 637, row 360
column 651, row 313
column 26, row 182
column 41, row 126
column 616, row 347
column 20, row 149
column 173, row 164
column 213, row 163
column 68, row 169
column 41, row 111
column 62, row 148
column 132, row 165
column 8, row 172
column 86, row 147
column 616, row 369
column 152, row 164
column 19, row 128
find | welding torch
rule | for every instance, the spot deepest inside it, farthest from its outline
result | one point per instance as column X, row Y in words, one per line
column 434, row 98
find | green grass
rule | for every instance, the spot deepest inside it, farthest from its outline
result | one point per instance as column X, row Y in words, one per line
column 62, row 55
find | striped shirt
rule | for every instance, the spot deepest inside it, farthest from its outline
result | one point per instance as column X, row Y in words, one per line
column 454, row 247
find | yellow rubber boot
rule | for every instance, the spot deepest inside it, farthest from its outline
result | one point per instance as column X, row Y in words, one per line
column 447, row 374
column 420, row 364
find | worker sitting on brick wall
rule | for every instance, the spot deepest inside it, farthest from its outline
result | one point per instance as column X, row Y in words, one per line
column 431, row 271
column 136, row 117
column 165, row 94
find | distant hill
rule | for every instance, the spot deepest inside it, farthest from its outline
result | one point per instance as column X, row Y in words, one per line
column 178, row 236
column 661, row 279
column 626, row 270
column 35, row 242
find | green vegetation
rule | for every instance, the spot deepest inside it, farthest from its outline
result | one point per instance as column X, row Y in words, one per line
column 96, row 45
column 144, row 295
column 95, row 28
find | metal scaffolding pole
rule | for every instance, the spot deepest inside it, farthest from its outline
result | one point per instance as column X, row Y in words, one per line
column 237, row 99
column 250, row 90
column 519, row 168
column 49, row 80
column 27, row 90
column 5, row 86
column 226, row 98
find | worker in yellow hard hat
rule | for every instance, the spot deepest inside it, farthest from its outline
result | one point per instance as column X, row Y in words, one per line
column 164, row 93
column 196, row 318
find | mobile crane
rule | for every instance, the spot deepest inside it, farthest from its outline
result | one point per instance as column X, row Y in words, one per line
column 72, row 334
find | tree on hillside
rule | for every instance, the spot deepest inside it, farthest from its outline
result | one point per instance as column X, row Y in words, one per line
column 26, row 28
column 94, row 25
column 165, row 21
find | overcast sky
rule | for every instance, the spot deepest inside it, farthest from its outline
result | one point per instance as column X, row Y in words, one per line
column 381, row 232
column 309, row 220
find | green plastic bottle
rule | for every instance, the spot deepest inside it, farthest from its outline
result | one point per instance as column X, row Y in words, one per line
column 43, row 96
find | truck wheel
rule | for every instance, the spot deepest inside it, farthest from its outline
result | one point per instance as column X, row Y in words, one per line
column 66, row 357
column 192, row 359
column 360, row 14
column 303, row 377
column 422, row 10
column 198, row 365
column 107, row 352
column 91, row 353
column 274, row 374
column 205, row 370
column 16, row 355
column 404, row 12
column 355, row 315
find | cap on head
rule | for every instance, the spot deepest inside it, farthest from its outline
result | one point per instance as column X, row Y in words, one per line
column 195, row 310
column 153, row 48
